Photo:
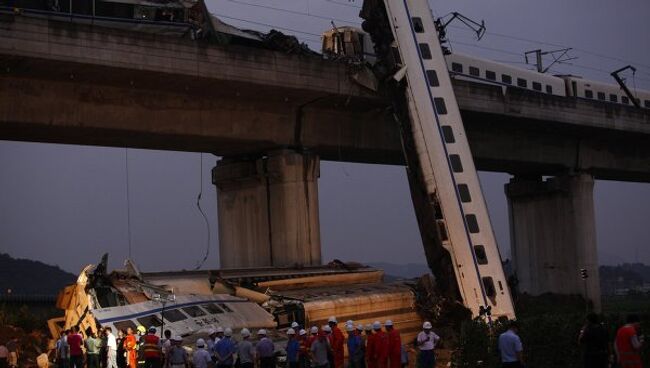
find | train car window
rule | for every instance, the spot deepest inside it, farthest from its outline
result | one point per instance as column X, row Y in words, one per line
column 456, row 165
column 521, row 82
column 646, row 103
column 425, row 51
column 474, row 71
column 613, row 97
column 537, row 86
column 225, row 308
column 123, row 325
column 488, row 285
column 417, row 24
column 549, row 89
column 457, row 67
column 589, row 93
column 194, row 311
column 481, row 256
column 463, row 191
column 151, row 320
column 173, row 315
column 212, row 308
column 448, row 133
column 625, row 100
column 490, row 75
column 472, row 223
column 601, row 96
column 505, row 78
column 432, row 77
column 441, row 108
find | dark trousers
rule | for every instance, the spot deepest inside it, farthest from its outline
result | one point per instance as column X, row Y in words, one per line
column 247, row 365
column 303, row 361
column 512, row 365
column 93, row 360
column 76, row 361
column 596, row 360
column 152, row 363
column 427, row 359
column 267, row 362
column 224, row 365
column 4, row 363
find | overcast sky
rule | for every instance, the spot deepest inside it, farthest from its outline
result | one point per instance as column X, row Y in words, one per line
column 67, row 205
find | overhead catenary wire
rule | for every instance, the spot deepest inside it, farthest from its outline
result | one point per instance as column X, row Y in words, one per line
column 295, row 12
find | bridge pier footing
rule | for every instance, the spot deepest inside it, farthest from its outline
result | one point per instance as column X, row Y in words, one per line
column 553, row 235
column 268, row 210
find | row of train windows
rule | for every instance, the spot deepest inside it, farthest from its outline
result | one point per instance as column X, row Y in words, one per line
column 613, row 98
column 175, row 315
column 505, row 78
column 456, row 164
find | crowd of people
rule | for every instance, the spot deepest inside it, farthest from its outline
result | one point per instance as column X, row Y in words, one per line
column 368, row 346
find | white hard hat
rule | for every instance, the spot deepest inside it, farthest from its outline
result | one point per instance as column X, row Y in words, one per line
column 228, row 331
column 219, row 329
column 332, row 319
column 177, row 338
column 369, row 327
column 360, row 327
column 426, row 325
column 376, row 325
column 291, row 331
column 349, row 322
column 294, row 325
column 152, row 329
column 388, row 323
column 245, row 332
column 302, row 332
column 327, row 328
column 349, row 328
column 313, row 329
column 200, row 343
column 211, row 331
column 261, row 331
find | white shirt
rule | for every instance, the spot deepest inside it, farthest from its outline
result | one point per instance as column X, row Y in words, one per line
column 111, row 343
column 509, row 345
column 201, row 359
column 427, row 341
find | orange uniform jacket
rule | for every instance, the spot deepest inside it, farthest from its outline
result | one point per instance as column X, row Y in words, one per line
column 381, row 349
column 338, row 340
column 628, row 356
column 371, row 359
column 130, row 344
column 394, row 349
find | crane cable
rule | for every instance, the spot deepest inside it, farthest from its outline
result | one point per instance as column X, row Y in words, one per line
column 200, row 263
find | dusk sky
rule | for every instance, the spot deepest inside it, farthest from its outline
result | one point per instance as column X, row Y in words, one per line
column 67, row 205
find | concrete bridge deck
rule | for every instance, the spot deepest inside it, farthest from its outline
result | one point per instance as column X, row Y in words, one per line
column 78, row 84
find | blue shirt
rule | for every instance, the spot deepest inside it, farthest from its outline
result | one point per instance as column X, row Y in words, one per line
column 354, row 346
column 292, row 350
column 225, row 347
column 265, row 348
column 509, row 346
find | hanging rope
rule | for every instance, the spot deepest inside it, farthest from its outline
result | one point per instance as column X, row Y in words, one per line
column 128, row 200
column 205, row 218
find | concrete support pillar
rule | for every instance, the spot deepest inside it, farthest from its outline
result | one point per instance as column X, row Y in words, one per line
column 553, row 235
column 268, row 210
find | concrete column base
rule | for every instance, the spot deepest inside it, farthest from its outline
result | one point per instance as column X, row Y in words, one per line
column 553, row 235
column 268, row 210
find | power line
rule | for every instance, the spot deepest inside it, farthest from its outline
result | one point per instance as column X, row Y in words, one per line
column 308, row 14
column 269, row 25
column 342, row 4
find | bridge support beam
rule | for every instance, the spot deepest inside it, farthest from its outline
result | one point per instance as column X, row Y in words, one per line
column 268, row 210
column 553, row 235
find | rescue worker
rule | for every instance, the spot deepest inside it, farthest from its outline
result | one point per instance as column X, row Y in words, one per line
column 338, row 341
column 63, row 351
column 320, row 351
column 354, row 347
column 292, row 349
column 593, row 337
column 303, row 352
column 394, row 345
column 142, row 331
column 225, row 349
column 245, row 351
column 327, row 331
column 120, row 359
column 177, row 355
column 166, row 343
column 264, row 351
column 381, row 346
column 93, row 345
column 295, row 326
column 371, row 361
column 313, row 336
column 362, row 336
column 510, row 347
column 201, row 357
column 628, row 344
column 426, row 343
column 218, row 335
column 152, row 349
column 130, row 346
column 209, row 343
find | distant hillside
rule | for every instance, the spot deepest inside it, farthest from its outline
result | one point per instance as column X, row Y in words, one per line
column 404, row 271
column 27, row 277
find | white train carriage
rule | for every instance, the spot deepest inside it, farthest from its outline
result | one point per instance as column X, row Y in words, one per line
column 605, row 92
column 187, row 315
column 492, row 72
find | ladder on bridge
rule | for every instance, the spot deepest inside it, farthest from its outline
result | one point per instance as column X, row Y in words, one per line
column 437, row 148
